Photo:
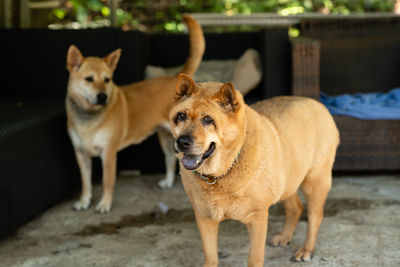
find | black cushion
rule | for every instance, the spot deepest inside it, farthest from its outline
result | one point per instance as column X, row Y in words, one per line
column 34, row 61
column 37, row 162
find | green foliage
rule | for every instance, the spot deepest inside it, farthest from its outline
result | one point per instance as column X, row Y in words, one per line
column 294, row 32
column 156, row 15
column 80, row 10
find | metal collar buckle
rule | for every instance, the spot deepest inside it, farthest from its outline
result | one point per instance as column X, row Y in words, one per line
column 209, row 180
column 212, row 179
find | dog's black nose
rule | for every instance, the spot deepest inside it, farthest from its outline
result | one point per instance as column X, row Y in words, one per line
column 101, row 99
column 184, row 142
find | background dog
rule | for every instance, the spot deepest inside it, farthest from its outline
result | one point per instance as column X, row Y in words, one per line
column 104, row 118
column 236, row 161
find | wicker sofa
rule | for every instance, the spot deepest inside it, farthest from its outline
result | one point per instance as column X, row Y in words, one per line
column 349, row 55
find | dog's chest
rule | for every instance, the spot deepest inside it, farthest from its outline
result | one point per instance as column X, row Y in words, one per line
column 221, row 206
column 91, row 142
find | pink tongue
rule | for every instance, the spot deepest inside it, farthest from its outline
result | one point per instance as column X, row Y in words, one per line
column 191, row 162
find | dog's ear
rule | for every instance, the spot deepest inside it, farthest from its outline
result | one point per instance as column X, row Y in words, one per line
column 112, row 59
column 185, row 86
column 74, row 58
column 227, row 97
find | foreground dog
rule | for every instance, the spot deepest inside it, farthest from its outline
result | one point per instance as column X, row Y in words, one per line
column 104, row 118
column 236, row 161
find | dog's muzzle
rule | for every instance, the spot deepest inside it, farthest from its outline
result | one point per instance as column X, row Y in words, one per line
column 101, row 99
column 191, row 161
column 184, row 143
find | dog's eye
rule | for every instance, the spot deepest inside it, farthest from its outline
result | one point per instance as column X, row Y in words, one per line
column 207, row 120
column 180, row 117
column 106, row 79
column 89, row 79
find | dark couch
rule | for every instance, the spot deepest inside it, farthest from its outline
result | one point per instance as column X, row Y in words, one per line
column 353, row 55
column 37, row 163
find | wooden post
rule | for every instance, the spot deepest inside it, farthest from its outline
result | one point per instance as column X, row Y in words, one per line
column 113, row 5
column 7, row 13
column 24, row 14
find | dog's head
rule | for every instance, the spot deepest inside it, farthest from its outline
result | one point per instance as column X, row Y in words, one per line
column 90, row 81
column 207, row 122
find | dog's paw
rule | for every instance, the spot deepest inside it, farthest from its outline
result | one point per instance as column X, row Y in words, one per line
column 103, row 207
column 280, row 241
column 165, row 183
column 82, row 204
column 302, row 255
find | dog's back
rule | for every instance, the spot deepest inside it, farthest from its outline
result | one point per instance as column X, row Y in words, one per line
column 307, row 133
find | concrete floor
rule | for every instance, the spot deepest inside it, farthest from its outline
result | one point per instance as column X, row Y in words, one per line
column 361, row 228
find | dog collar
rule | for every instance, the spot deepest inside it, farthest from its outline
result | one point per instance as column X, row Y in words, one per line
column 213, row 179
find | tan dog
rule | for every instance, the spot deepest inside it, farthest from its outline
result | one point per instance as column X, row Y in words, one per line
column 104, row 118
column 236, row 161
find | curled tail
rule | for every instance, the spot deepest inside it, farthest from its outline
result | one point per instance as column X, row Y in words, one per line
column 197, row 45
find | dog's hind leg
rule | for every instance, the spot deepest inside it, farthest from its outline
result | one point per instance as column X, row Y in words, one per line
column 293, row 210
column 167, row 146
column 85, row 167
column 109, row 162
column 315, row 188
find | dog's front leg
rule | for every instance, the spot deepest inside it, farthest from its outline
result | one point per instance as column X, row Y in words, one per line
column 85, row 167
column 109, row 162
column 257, row 228
column 209, row 237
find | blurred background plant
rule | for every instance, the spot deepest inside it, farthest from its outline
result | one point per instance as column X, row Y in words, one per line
column 166, row 15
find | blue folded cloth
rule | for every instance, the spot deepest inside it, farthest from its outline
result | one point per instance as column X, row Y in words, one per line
column 372, row 106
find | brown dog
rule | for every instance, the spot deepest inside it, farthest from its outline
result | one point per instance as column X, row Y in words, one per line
column 104, row 118
column 236, row 161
